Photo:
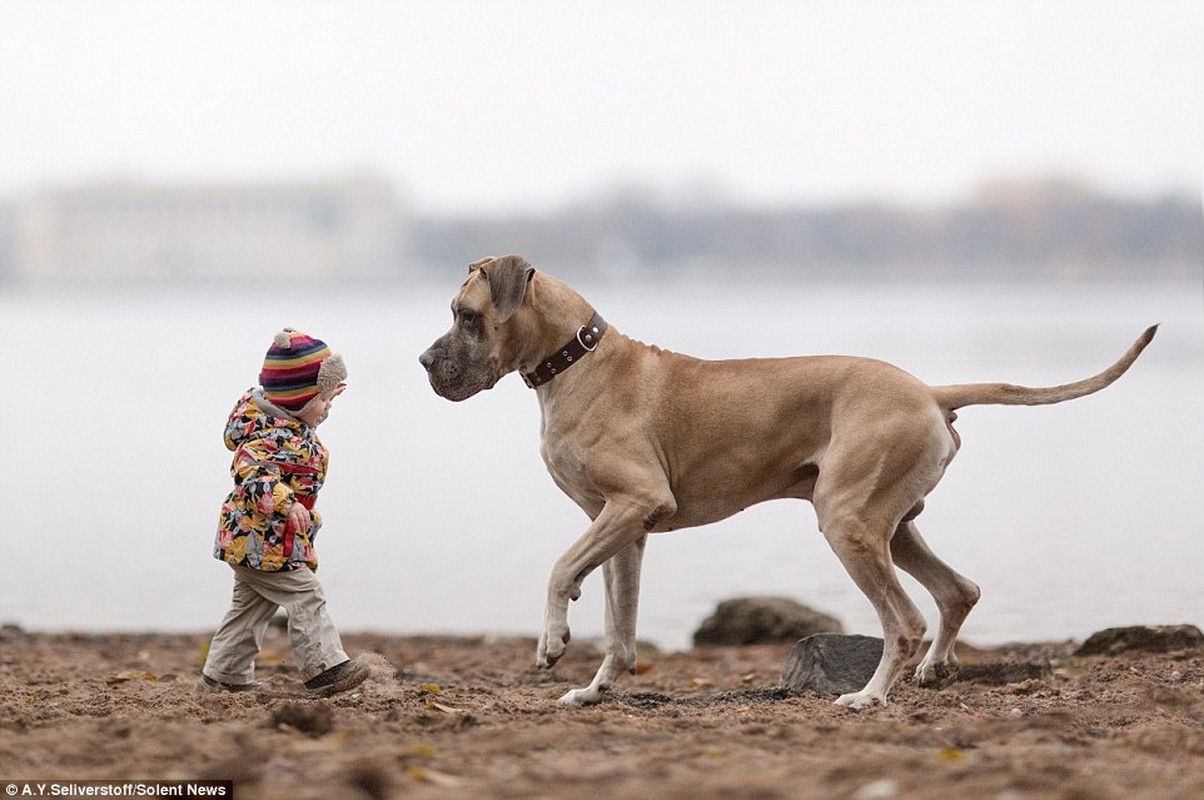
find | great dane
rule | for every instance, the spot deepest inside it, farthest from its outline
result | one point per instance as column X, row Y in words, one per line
column 645, row 440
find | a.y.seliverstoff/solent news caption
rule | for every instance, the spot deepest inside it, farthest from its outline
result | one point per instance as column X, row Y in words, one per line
column 52, row 788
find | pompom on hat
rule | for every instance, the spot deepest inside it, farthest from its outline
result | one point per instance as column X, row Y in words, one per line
column 297, row 368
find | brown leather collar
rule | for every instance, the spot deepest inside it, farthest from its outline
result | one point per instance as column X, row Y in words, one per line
column 587, row 338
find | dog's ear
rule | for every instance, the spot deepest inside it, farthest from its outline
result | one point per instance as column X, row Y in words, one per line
column 476, row 265
column 508, row 277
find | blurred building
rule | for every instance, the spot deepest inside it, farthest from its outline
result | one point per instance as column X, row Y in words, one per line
column 8, row 228
column 354, row 229
column 319, row 230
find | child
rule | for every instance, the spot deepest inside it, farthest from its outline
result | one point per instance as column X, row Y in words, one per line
column 268, row 523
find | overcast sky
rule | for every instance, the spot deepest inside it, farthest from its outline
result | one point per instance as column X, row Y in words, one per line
column 507, row 105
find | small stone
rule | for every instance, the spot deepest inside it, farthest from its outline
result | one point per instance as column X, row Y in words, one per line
column 877, row 790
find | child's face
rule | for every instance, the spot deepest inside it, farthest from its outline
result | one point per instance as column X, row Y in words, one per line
column 317, row 410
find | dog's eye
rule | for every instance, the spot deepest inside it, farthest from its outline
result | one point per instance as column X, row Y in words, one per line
column 469, row 319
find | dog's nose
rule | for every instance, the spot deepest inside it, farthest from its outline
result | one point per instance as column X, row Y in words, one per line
column 426, row 360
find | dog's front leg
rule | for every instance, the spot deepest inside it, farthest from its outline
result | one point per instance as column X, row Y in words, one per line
column 621, row 575
column 619, row 525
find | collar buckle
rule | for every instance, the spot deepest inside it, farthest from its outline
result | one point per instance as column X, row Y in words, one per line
column 588, row 340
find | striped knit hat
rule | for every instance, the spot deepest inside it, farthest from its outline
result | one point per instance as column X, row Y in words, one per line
column 297, row 368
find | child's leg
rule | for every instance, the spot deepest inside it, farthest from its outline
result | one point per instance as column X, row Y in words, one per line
column 232, row 652
column 316, row 643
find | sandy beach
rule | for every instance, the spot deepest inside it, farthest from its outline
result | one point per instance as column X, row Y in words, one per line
column 470, row 717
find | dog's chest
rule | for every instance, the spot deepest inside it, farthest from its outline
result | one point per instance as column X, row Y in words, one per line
column 564, row 458
column 570, row 471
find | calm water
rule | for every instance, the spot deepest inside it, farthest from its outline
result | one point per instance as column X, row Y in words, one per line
column 441, row 518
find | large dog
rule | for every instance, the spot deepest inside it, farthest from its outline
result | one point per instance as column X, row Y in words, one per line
column 646, row 440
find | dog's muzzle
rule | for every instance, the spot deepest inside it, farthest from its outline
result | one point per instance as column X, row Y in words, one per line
column 449, row 380
column 428, row 359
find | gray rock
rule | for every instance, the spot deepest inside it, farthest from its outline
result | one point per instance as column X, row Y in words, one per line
column 762, row 620
column 1146, row 638
column 831, row 664
column 10, row 632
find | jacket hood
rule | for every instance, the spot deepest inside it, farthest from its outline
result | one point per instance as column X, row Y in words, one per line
column 253, row 416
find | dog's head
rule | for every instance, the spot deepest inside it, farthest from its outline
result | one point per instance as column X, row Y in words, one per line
column 481, row 345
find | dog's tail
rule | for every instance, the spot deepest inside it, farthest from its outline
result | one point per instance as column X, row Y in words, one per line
column 1007, row 394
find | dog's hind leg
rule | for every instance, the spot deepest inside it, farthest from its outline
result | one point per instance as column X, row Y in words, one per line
column 863, row 550
column 954, row 594
column 859, row 500
column 621, row 575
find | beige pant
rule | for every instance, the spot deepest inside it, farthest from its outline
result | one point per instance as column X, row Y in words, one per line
column 257, row 597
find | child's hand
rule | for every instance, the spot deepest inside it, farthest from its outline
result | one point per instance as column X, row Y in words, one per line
column 299, row 518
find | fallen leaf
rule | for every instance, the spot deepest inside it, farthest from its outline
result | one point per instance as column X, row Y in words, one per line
column 952, row 754
column 420, row 750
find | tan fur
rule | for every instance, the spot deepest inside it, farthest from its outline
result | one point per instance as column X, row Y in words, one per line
column 645, row 440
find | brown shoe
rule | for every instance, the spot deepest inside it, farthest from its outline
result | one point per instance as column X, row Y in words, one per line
column 338, row 678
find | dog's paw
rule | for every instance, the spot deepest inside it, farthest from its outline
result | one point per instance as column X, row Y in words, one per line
column 552, row 646
column 936, row 674
column 932, row 675
column 860, row 700
column 926, row 675
column 576, row 698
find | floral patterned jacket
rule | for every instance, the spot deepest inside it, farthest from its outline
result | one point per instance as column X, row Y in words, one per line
column 277, row 461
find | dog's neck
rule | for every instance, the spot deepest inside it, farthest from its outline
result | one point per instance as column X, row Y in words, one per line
column 556, row 313
column 582, row 343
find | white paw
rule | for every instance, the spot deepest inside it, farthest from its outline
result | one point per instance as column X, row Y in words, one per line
column 552, row 644
column 576, row 698
column 859, row 700
column 926, row 674
column 932, row 673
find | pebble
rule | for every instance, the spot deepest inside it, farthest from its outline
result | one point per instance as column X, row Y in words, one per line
column 877, row 790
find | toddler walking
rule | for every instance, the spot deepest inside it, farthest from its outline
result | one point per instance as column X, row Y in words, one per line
column 268, row 523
